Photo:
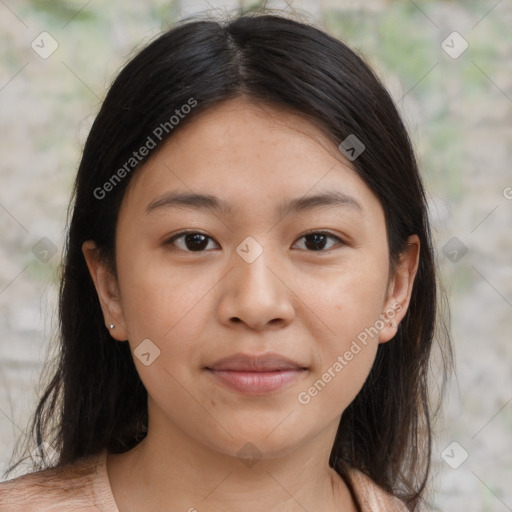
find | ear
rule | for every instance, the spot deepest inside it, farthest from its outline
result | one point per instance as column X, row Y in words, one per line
column 107, row 290
column 400, row 289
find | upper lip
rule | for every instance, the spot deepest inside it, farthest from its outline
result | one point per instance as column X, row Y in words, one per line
column 256, row 363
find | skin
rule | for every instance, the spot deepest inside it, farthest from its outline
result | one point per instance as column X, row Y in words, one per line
column 198, row 307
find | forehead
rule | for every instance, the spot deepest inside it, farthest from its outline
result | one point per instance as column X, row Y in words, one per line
column 251, row 155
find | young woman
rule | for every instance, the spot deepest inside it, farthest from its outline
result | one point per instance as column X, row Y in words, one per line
column 249, row 296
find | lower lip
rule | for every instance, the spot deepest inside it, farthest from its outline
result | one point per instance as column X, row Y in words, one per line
column 256, row 383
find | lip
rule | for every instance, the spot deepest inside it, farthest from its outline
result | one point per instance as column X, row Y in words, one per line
column 256, row 363
column 252, row 374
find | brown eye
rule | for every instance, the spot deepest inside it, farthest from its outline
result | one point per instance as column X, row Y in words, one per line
column 319, row 240
column 190, row 241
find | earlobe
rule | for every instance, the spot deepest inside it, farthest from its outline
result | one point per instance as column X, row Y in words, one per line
column 107, row 290
column 400, row 290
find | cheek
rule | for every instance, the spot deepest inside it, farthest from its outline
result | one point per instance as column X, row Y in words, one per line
column 349, row 304
column 159, row 301
column 332, row 390
column 347, row 298
column 168, row 308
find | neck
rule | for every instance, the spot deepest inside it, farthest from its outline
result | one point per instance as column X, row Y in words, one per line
column 180, row 473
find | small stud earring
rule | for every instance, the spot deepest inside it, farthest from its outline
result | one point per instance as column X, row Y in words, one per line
column 393, row 325
column 111, row 326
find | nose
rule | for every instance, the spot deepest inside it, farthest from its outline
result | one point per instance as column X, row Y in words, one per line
column 256, row 294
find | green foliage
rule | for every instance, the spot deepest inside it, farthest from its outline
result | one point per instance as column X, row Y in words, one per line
column 58, row 12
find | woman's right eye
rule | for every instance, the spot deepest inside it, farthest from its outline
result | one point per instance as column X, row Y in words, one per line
column 190, row 241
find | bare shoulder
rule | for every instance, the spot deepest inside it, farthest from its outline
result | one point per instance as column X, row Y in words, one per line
column 57, row 489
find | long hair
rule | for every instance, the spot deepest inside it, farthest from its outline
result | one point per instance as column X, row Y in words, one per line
column 95, row 399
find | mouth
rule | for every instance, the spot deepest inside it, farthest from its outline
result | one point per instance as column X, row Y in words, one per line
column 256, row 375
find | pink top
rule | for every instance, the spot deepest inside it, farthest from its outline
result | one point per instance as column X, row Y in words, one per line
column 87, row 489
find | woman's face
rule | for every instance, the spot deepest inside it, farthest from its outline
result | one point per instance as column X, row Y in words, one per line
column 286, row 254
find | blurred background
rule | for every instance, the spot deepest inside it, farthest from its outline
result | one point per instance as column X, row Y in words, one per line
column 448, row 66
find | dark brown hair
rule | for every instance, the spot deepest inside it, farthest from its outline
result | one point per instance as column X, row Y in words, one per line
column 95, row 399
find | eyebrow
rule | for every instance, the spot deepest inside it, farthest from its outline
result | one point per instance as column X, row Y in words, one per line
column 335, row 199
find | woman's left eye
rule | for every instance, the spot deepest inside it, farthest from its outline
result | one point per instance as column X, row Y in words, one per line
column 318, row 240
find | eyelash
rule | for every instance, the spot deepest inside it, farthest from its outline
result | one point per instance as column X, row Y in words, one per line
column 181, row 234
